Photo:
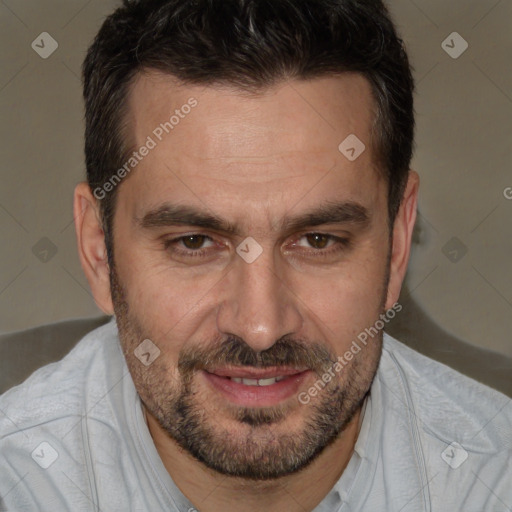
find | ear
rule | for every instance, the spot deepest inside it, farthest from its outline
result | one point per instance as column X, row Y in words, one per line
column 91, row 246
column 402, row 235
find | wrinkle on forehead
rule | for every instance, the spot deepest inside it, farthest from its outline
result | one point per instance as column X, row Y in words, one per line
column 298, row 109
column 264, row 150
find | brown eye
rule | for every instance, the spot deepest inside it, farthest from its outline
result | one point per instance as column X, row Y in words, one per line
column 322, row 245
column 195, row 245
column 318, row 240
column 193, row 241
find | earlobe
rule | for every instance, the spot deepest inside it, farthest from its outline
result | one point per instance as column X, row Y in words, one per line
column 402, row 236
column 91, row 246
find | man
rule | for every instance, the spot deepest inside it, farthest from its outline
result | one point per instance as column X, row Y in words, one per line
column 247, row 220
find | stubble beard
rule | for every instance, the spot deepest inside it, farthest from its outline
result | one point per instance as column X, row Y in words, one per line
column 260, row 446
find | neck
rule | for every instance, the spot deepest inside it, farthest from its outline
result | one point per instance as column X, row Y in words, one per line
column 210, row 491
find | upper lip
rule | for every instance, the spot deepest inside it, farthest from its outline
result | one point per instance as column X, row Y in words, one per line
column 256, row 373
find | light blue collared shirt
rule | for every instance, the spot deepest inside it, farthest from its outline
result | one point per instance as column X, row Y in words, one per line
column 73, row 437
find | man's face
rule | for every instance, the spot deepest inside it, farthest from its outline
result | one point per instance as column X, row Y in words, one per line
column 228, row 322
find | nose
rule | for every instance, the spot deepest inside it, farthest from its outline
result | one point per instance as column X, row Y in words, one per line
column 258, row 305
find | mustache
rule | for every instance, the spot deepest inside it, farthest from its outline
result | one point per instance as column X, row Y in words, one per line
column 233, row 351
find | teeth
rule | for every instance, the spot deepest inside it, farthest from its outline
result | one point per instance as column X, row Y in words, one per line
column 267, row 382
column 257, row 382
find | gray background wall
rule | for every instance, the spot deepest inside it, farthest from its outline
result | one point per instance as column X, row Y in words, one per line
column 460, row 273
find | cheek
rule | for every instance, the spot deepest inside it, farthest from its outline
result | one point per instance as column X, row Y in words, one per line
column 345, row 302
column 167, row 303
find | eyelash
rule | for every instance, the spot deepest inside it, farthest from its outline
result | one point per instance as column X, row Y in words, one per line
column 340, row 244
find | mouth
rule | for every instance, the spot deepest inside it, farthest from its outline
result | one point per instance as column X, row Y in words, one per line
column 258, row 382
column 256, row 387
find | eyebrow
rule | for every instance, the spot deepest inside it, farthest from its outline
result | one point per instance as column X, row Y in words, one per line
column 168, row 215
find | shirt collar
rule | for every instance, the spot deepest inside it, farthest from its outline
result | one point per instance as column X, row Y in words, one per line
column 342, row 488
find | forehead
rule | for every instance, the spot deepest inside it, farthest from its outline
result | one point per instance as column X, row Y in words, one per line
column 302, row 109
column 262, row 147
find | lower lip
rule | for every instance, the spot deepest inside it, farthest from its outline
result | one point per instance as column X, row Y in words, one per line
column 257, row 396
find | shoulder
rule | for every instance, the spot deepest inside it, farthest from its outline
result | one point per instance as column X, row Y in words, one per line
column 433, row 439
column 57, row 391
column 437, row 392
column 64, row 430
column 464, row 428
